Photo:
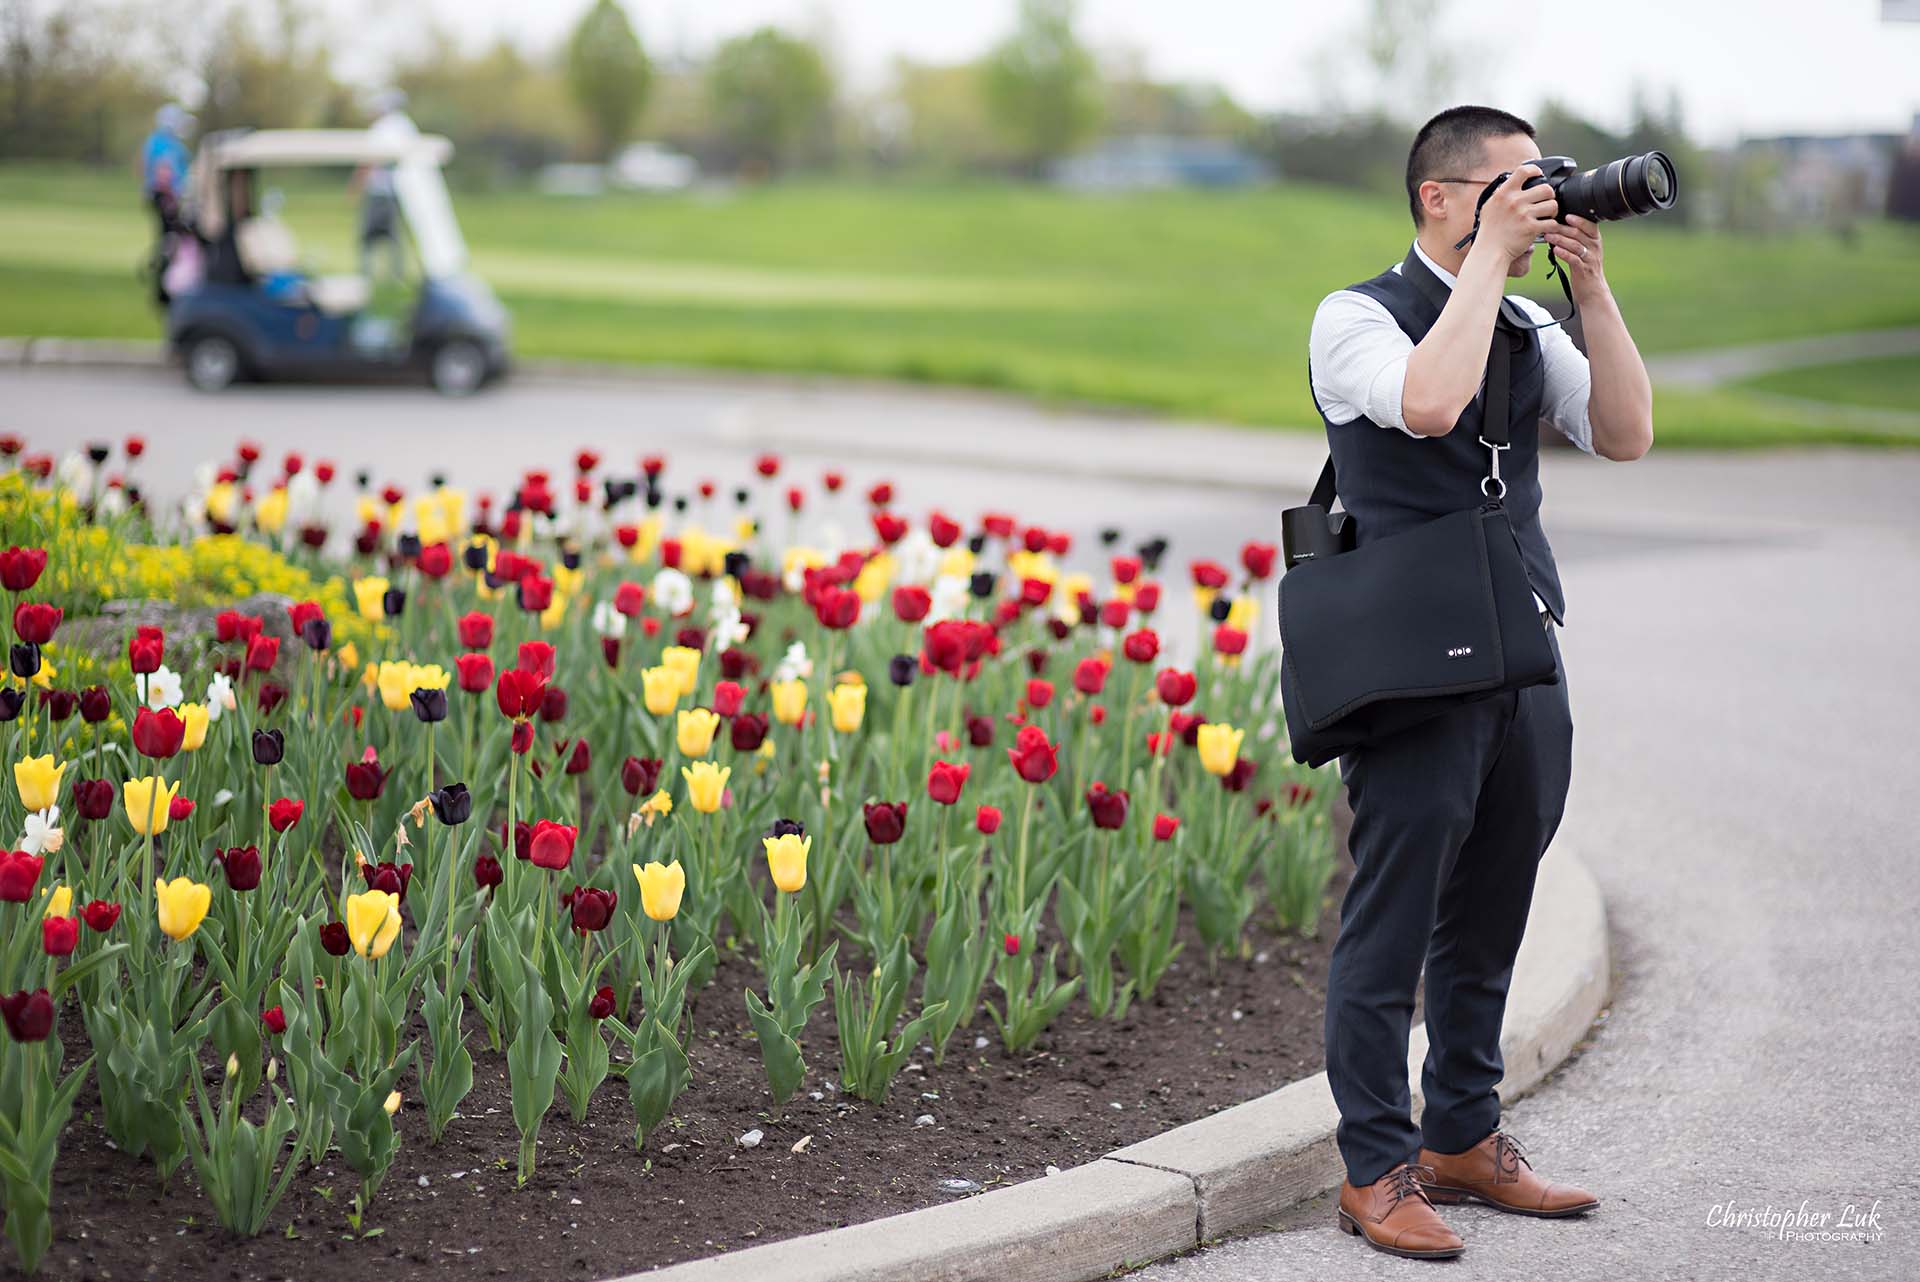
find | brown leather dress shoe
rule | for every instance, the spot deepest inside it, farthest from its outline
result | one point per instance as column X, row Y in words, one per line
column 1394, row 1215
column 1497, row 1172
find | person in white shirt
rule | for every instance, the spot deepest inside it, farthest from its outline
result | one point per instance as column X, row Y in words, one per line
column 1452, row 816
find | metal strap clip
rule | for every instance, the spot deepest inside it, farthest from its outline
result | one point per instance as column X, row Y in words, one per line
column 1491, row 485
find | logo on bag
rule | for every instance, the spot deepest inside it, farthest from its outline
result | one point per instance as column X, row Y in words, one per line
column 1460, row 652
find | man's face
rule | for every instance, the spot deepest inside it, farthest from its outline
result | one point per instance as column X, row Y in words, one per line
column 1500, row 155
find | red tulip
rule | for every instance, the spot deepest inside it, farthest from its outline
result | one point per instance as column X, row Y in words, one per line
column 1126, row 569
column 1258, row 558
column 1012, row 944
column 242, row 866
column 96, row 705
column 748, row 731
column 987, row 819
column 1164, row 827
column 522, row 741
column 945, row 781
column 158, row 734
column 591, row 908
column 28, row 1015
column 365, row 779
column 767, row 465
column 536, row 657
column 603, row 1003
column 476, row 630
column 435, row 561
column 582, row 760
column 727, row 698
column 100, row 916
column 335, row 939
column 911, row 603
column 145, row 650
column 1141, row 646
column 20, row 568
column 35, row 621
column 1174, row 686
column 1228, row 640
column 487, row 873
column 1033, row 756
column 284, row 813
column 520, row 693
column 1209, row 574
column 304, row 612
column 180, row 808
column 536, row 593
column 629, row 599
column 889, row 527
column 640, row 774
column 59, row 936
column 837, row 608
column 475, row 672
column 551, row 844
column 1107, row 806
column 886, row 821
column 388, row 876
column 1090, row 675
column 262, row 653
column 1039, row 693
column 1146, row 597
column 275, row 1020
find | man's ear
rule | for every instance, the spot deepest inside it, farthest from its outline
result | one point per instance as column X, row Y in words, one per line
column 1433, row 201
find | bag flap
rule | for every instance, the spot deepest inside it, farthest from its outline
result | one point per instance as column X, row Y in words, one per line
column 1406, row 616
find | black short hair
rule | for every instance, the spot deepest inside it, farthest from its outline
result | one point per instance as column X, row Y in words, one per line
column 1453, row 141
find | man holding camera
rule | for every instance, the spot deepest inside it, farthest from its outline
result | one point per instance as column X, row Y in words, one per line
column 1452, row 816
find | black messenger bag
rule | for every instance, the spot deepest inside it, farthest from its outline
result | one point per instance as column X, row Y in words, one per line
column 1379, row 638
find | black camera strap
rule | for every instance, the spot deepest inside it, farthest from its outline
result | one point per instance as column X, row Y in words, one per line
column 1555, row 268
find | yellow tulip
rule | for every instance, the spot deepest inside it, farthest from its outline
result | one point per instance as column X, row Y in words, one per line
column 38, row 780
column 872, row 580
column 787, row 860
column 270, row 513
column 392, row 1103
column 148, row 801
column 957, row 562
column 684, row 661
column 60, row 902
column 373, row 922
column 348, row 657
column 1219, row 746
column 706, row 783
column 657, row 806
column 183, row 905
column 789, row 701
column 394, row 679
column 849, row 705
column 696, row 731
column 370, row 594
column 661, row 886
column 1244, row 612
column 662, row 688
column 195, row 717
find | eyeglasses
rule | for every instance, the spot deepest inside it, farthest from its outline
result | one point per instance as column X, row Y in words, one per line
column 1471, row 182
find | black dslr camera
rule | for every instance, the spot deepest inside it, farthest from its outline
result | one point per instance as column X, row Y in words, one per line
column 1617, row 189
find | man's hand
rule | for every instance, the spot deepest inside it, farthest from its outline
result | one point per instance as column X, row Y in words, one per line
column 1576, row 243
column 1515, row 214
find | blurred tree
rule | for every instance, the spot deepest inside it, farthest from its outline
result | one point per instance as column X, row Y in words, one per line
column 944, row 123
column 505, row 113
column 1136, row 103
column 609, row 74
column 771, row 95
column 1042, row 87
column 270, row 70
column 1367, row 150
column 1415, row 67
column 70, row 86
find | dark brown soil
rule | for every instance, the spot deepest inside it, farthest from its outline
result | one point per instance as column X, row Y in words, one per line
column 596, row 1209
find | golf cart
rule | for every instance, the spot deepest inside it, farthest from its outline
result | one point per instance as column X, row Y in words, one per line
column 242, row 306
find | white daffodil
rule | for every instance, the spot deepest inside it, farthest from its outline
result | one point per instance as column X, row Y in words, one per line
column 950, row 596
column 76, row 473
column 672, row 591
column 725, row 594
column 219, row 696
column 112, row 503
column 728, row 630
column 917, row 557
column 794, row 664
column 160, row 688
column 43, row 836
column 609, row 622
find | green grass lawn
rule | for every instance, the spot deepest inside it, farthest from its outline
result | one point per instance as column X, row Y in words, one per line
column 1886, row 382
column 1189, row 303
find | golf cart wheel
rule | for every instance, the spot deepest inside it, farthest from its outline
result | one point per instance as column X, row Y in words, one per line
column 212, row 362
column 459, row 367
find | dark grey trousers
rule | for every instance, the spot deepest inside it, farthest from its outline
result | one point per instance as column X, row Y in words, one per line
column 1450, row 821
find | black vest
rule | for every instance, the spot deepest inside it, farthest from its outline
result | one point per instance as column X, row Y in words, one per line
column 1391, row 481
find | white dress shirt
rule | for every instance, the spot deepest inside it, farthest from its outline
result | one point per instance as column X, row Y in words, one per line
column 1359, row 354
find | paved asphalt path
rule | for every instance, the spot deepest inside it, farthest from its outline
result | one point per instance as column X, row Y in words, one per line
column 1739, row 653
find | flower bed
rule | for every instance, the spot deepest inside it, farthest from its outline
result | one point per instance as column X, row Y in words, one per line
column 478, row 832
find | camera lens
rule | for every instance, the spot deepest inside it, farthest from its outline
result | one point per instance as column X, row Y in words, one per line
column 1620, row 188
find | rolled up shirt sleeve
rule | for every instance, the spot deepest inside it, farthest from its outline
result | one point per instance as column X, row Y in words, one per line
column 1359, row 359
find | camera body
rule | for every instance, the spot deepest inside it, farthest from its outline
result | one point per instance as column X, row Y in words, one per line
column 1618, row 189
column 1311, row 533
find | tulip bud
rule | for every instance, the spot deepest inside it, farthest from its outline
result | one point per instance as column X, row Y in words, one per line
column 269, row 747
column 392, row 1104
column 233, row 1065
column 273, row 1068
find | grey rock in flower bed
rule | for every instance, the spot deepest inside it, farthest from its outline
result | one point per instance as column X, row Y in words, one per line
column 106, row 633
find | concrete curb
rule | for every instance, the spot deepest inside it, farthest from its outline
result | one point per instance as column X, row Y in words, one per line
column 1232, row 1171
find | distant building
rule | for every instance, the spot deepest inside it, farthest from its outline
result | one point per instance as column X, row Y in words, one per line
column 1147, row 161
column 1826, row 179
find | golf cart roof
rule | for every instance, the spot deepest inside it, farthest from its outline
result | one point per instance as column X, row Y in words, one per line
column 328, row 147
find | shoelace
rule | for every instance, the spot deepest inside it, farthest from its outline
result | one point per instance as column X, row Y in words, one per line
column 1507, row 1153
column 1406, row 1180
